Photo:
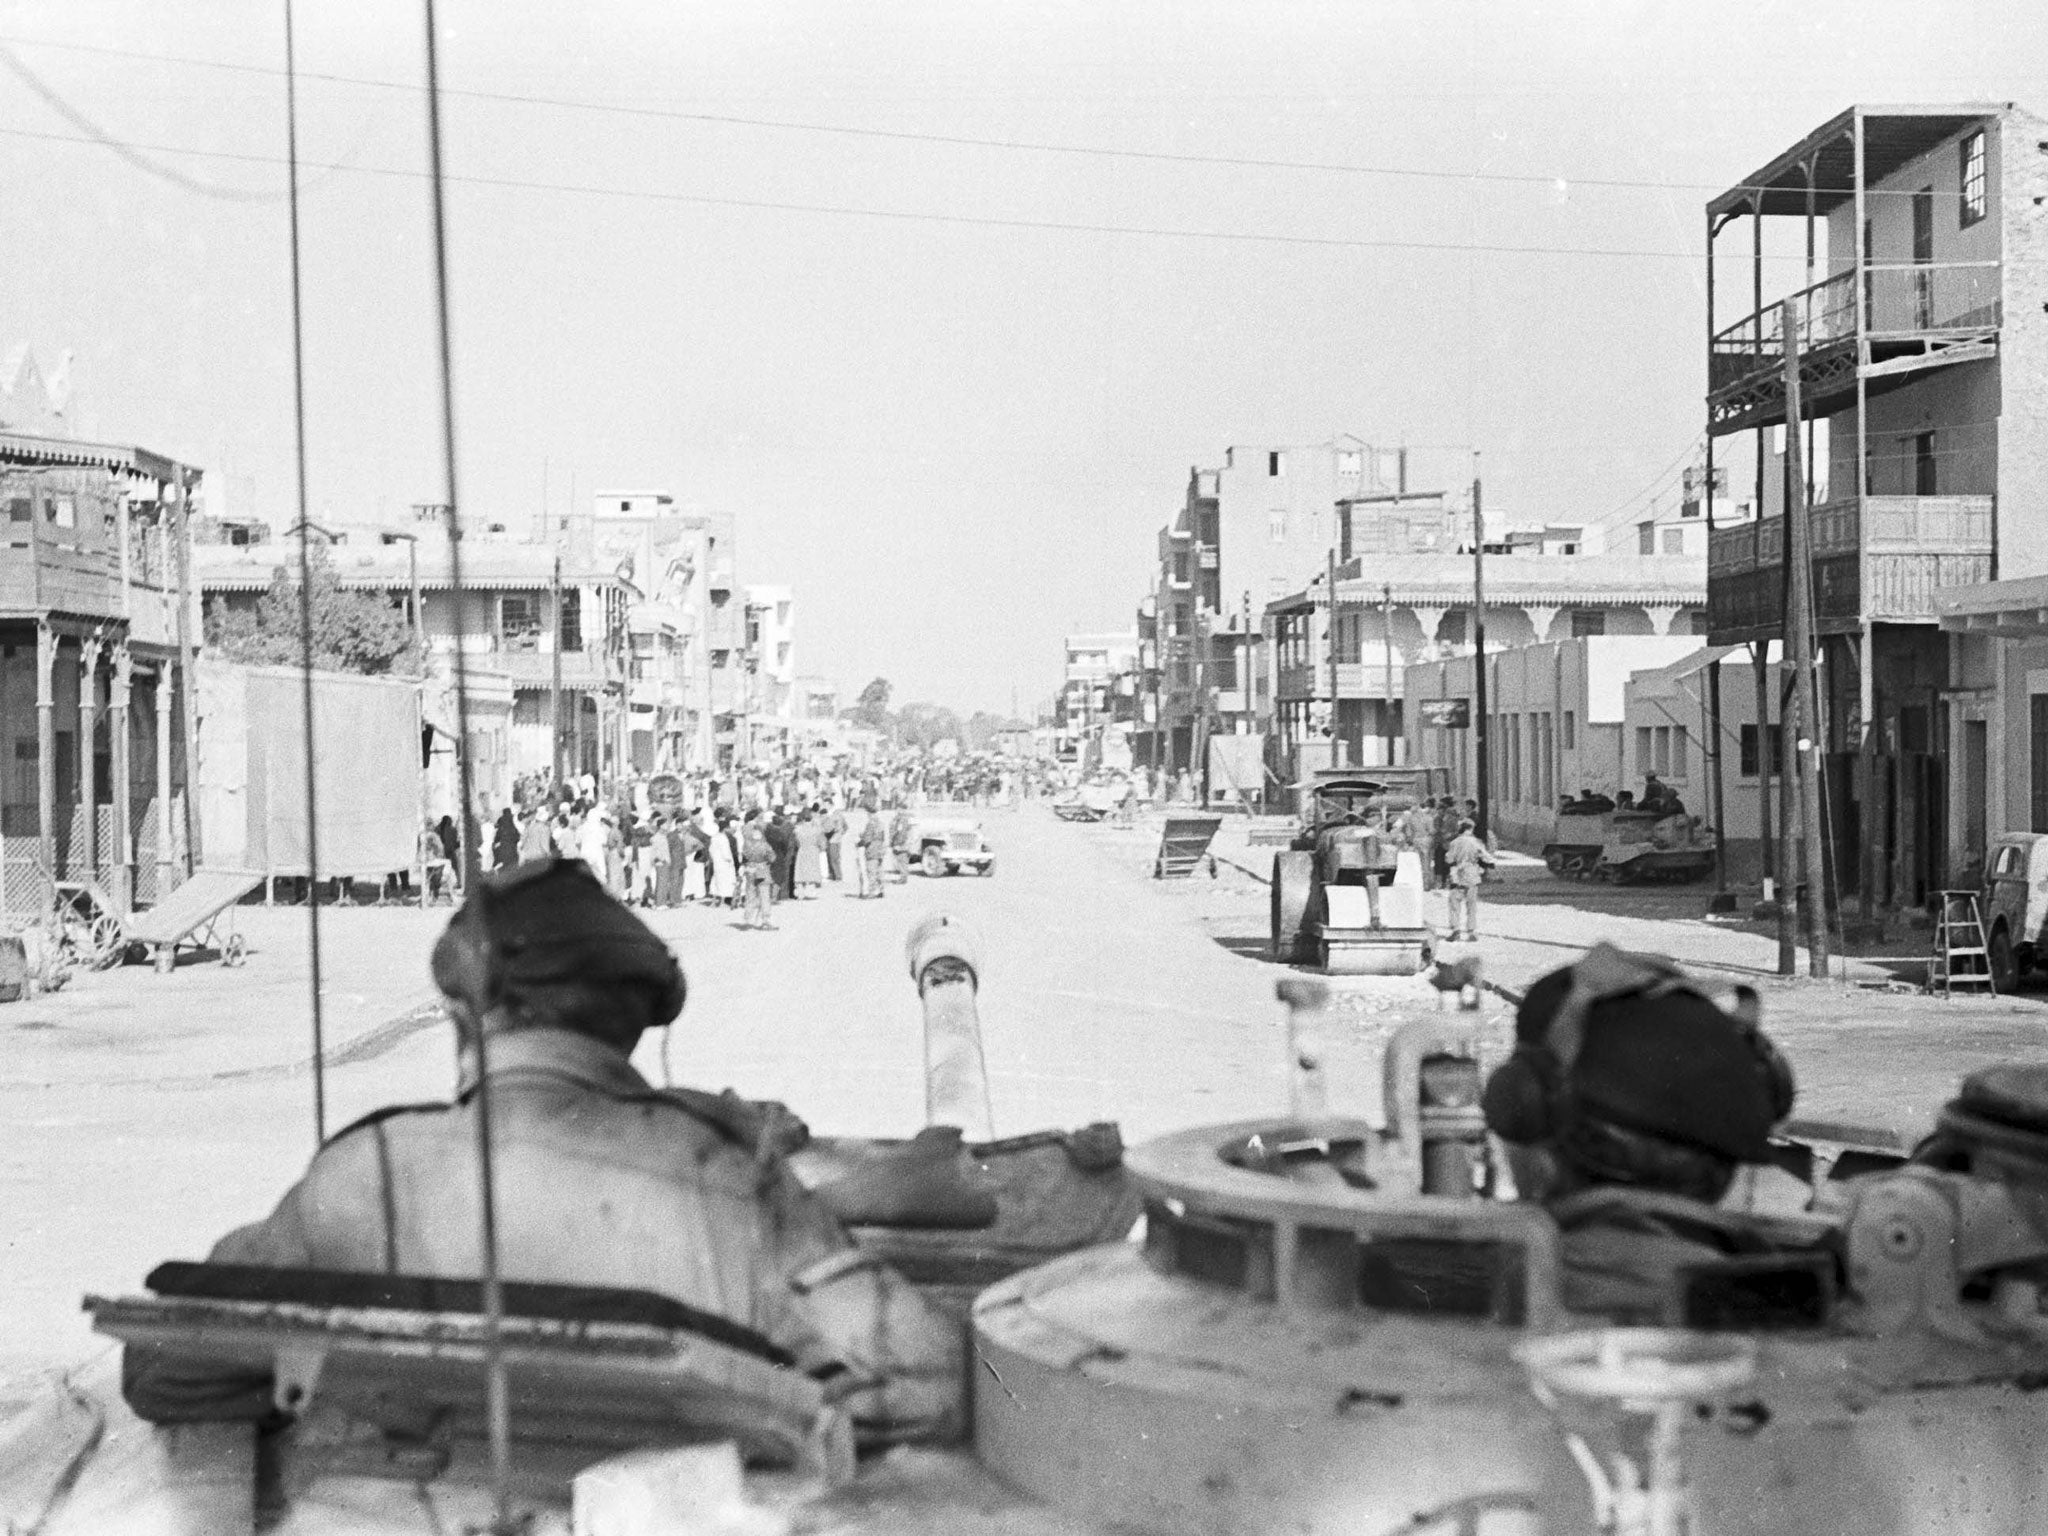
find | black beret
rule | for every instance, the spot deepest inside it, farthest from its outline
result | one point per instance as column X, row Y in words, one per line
column 1673, row 1065
column 549, row 922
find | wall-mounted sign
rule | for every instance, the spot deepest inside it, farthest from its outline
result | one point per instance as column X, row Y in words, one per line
column 1446, row 714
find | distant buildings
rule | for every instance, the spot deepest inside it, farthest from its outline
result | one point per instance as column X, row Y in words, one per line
column 1246, row 667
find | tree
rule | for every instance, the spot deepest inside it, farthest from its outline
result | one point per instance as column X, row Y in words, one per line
column 352, row 631
column 872, row 708
column 926, row 725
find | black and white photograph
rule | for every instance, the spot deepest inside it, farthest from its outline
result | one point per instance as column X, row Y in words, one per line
column 1033, row 768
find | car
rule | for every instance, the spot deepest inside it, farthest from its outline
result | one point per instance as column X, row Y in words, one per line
column 946, row 842
column 2015, row 905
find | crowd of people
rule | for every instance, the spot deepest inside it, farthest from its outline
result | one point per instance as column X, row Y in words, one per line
column 745, row 839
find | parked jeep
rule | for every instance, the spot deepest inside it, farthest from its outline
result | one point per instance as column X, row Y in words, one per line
column 945, row 841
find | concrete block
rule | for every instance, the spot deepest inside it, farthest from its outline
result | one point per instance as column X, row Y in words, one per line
column 686, row 1490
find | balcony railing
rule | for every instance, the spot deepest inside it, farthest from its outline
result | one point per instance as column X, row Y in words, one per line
column 1877, row 525
column 1898, row 299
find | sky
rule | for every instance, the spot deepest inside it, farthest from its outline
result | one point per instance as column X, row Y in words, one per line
column 740, row 250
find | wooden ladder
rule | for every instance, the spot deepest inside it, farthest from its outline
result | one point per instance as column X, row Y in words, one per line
column 1959, row 936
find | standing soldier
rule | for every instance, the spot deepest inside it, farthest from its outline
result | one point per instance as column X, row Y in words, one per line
column 873, row 843
column 1420, row 823
column 1469, row 861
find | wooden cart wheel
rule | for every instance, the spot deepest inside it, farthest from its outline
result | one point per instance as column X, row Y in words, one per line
column 109, row 945
column 234, row 950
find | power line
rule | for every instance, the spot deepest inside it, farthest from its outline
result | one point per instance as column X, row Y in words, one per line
column 954, row 140
column 897, row 215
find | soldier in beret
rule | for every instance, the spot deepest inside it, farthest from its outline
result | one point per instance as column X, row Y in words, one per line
column 1634, row 1095
column 601, row 1179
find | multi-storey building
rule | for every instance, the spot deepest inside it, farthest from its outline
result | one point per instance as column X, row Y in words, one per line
column 1249, row 532
column 98, row 628
column 1921, row 344
column 1099, row 693
column 529, row 615
column 673, row 558
column 768, row 695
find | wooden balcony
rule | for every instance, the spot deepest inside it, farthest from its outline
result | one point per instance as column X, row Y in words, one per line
column 1875, row 558
column 1911, row 315
column 1355, row 679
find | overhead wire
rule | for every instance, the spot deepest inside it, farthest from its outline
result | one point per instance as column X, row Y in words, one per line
column 951, row 140
column 306, row 691
column 138, row 155
column 637, row 194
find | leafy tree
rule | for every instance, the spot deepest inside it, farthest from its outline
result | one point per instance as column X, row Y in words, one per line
column 926, row 725
column 352, row 631
column 872, row 708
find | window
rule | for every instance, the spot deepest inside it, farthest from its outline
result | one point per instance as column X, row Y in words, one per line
column 569, row 622
column 1588, row 621
column 1646, row 538
column 1276, row 464
column 63, row 511
column 1571, row 735
column 1973, row 179
column 1662, row 745
column 1924, row 476
column 625, row 506
column 1276, row 525
column 1674, row 541
column 1678, row 752
column 20, row 510
column 1451, row 628
column 1749, row 763
column 1644, row 761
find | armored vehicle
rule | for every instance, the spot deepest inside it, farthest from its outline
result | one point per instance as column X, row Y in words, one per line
column 1626, row 846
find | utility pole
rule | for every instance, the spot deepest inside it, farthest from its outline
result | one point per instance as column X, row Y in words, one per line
column 1479, row 731
column 1330, row 644
column 1799, row 623
column 1387, row 647
column 555, row 673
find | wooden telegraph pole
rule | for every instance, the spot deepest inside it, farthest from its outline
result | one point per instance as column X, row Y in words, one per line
column 1482, row 773
column 1387, row 648
column 1330, row 645
column 1808, row 746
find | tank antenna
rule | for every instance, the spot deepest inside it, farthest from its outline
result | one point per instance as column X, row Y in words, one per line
column 291, row 137
column 497, row 1397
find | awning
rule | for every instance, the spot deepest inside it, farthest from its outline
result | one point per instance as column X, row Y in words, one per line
column 2010, row 610
column 30, row 448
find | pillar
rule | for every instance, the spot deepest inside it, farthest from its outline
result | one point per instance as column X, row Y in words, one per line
column 1541, row 617
column 1661, row 619
column 46, row 746
column 166, row 861
column 88, row 777
column 122, row 864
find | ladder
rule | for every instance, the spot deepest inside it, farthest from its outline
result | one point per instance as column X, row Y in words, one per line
column 1961, row 957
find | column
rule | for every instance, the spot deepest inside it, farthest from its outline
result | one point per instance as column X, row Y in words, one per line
column 88, row 778
column 1661, row 619
column 123, row 860
column 46, row 746
column 1541, row 617
column 166, row 862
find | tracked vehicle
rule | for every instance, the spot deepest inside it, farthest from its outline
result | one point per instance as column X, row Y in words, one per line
column 1327, row 1324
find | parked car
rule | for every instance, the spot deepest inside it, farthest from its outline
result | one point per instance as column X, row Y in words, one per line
column 946, row 842
column 2015, row 904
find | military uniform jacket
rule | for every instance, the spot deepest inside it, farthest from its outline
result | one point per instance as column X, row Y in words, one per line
column 600, row 1180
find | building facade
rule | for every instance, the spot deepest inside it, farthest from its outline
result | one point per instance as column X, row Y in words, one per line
column 530, row 619
column 1558, row 723
column 98, row 635
column 1921, row 341
column 1339, row 683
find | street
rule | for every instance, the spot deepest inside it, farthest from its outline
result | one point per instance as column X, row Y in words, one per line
column 150, row 1114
